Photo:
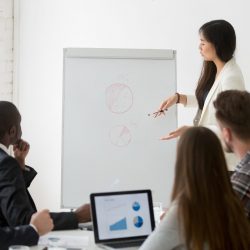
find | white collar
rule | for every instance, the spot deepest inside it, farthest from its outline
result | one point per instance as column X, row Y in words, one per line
column 4, row 148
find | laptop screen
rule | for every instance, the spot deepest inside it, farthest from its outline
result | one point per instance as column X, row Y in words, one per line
column 122, row 215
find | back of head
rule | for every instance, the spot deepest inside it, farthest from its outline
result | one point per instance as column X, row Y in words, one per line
column 9, row 116
column 222, row 35
column 195, row 166
column 209, row 210
column 233, row 110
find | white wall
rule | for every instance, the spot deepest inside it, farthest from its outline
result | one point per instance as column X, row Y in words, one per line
column 47, row 26
column 6, row 49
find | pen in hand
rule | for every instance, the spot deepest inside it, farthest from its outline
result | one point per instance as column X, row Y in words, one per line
column 158, row 113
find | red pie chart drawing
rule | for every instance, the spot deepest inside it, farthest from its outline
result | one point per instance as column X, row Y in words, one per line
column 119, row 98
column 120, row 136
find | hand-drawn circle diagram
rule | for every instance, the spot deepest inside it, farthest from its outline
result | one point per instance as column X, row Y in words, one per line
column 120, row 136
column 119, row 98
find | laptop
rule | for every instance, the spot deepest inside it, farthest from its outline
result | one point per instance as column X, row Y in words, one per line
column 122, row 219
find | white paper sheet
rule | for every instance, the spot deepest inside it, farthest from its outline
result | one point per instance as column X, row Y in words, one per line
column 61, row 240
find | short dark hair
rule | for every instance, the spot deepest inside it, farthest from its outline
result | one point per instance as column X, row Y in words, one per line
column 233, row 109
column 9, row 116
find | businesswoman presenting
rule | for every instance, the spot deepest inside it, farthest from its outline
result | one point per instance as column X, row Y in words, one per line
column 219, row 72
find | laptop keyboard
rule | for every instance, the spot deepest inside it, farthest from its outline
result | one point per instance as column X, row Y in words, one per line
column 124, row 244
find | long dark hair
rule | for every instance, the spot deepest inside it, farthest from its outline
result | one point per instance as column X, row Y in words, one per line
column 209, row 211
column 222, row 35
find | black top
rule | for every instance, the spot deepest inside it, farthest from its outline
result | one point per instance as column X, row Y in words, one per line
column 16, row 203
column 23, row 235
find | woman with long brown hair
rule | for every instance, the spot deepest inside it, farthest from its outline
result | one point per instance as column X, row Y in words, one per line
column 205, row 213
column 219, row 72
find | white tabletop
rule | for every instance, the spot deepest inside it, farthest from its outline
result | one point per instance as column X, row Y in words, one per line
column 86, row 236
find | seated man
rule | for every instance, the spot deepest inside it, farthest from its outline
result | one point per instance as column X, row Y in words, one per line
column 16, row 204
column 40, row 224
column 233, row 116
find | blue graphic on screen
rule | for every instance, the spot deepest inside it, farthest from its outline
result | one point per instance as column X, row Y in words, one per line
column 136, row 206
column 119, row 225
column 138, row 221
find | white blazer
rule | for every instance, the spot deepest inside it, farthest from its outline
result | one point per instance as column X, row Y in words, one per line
column 167, row 235
column 230, row 77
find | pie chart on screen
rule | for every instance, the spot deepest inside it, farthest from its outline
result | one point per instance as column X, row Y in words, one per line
column 138, row 221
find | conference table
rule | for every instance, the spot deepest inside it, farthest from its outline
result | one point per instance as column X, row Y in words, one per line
column 81, row 239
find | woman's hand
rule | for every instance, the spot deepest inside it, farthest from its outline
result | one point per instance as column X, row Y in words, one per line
column 178, row 132
column 169, row 102
column 165, row 105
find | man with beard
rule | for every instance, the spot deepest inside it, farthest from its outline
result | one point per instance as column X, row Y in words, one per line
column 233, row 117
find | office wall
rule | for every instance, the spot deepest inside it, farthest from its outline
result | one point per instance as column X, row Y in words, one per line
column 6, row 49
column 46, row 27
